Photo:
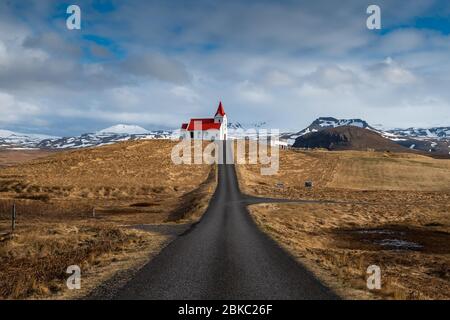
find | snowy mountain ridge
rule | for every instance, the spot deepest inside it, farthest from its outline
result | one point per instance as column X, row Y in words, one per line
column 435, row 140
column 124, row 129
column 114, row 134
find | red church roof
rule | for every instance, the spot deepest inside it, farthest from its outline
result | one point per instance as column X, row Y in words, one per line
column 220, row 110
column 203, row 124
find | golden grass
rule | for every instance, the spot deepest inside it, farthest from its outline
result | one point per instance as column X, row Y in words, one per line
column 405, row 172
column 119, row 171
column 10, row 157
column 34, row 260
column 329, row 240
column 407, row 195
column 129, row 183
column 348, row 170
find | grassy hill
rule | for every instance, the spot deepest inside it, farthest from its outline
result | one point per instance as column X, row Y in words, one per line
column 130, row 183
column 388, row 209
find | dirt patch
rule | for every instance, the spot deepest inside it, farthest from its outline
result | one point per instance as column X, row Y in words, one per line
column 393, row 238
column 143, row 204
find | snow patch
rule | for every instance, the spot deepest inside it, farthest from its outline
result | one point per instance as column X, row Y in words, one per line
column 124, row 129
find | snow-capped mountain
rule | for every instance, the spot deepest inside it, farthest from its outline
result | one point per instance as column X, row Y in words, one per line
column 117, row 133
column 246, row 126
column 261, row 129
column 124, row 129
column 434, row 133
column 327, row 122
column 11, row 139
column 435, row 140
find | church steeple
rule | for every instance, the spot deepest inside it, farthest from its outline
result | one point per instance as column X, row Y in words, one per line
column 220, row 110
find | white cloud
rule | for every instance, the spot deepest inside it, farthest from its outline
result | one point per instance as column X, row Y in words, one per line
column 391, row 72
column 332, row 76
column 123, row 98
column 278, row 78
column 250, row 92
column 14, row 110
column 185, row 93
column 402, row 40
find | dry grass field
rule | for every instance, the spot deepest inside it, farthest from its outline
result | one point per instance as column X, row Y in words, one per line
column 10, row 157
column 394, row 212
column 403, row 172
column 126, row 184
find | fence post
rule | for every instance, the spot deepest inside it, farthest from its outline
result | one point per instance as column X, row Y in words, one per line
column 13, row 217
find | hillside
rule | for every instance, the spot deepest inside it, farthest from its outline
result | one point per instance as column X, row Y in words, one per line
column 118, row 173
column 78, row 206
column 389, row 209
column 347, row 138
column 10, row 157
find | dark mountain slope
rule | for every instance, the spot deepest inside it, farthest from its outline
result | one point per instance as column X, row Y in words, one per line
column 348, row 138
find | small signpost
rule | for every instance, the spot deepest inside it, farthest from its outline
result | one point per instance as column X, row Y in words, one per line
column 279, row 185
column 13, row 217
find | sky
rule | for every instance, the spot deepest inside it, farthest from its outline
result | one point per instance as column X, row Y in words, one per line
column 158, row 63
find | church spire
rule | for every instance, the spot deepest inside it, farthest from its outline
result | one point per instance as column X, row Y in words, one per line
column 220, row 110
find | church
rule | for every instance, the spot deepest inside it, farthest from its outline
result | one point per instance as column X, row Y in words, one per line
column 206, row 128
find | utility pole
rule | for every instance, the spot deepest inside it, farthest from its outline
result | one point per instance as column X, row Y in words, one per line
column 13, row 217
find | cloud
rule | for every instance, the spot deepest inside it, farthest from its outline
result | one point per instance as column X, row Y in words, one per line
column 156, row 66
column 392, row 73
column 185, row 93
column 158, row 63
column 249, row 92
column 332, row 76
column 53, row 44
column 275, row 78
column 20, row 66
column 13, row 110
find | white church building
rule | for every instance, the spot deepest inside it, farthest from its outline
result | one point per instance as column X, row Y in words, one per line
column 206, row 128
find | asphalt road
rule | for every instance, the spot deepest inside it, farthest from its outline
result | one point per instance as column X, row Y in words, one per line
column 224, row 256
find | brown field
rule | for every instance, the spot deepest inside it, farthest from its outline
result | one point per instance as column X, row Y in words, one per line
column 394, row 213
column 125, row 184
column 10, row 157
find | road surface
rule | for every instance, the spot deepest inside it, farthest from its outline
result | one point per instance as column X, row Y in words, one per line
column 224, row 256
